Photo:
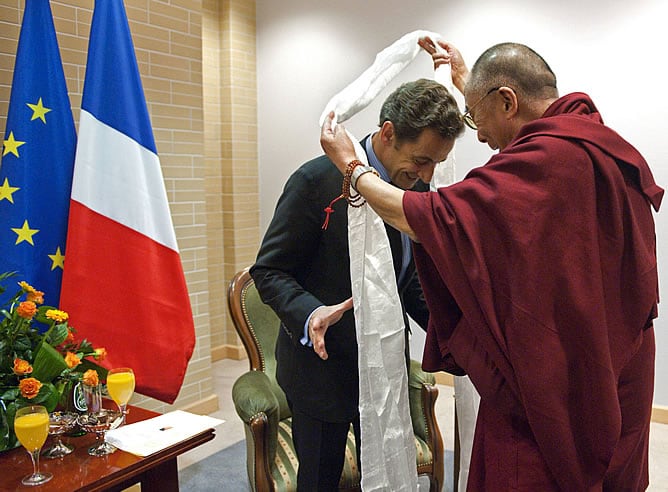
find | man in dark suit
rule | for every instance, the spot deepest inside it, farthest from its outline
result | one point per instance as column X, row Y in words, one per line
column 302, row 271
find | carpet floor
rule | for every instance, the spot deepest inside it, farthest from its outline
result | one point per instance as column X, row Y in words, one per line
column 226, row 470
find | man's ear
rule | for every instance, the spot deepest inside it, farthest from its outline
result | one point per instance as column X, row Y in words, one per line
column 510, row 102
column 387, row 133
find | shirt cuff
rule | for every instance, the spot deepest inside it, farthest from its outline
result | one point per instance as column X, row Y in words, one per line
column 305, row 340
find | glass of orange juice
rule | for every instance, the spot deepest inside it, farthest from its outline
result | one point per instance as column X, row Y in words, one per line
column 121, row 386
column 31, row 426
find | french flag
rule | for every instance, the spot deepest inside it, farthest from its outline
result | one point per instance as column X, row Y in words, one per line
column 123, row 283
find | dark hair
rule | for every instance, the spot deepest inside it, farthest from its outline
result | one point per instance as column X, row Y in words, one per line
column 421, row 104
column 515, row 65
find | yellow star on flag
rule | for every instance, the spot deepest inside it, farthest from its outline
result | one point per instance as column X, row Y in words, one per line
column 25, row 233
column 58, row 260
column 6, row 191
column 38, row 111
column 11, row 145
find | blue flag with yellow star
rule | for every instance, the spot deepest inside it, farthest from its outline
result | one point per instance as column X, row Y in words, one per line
column 37, row 160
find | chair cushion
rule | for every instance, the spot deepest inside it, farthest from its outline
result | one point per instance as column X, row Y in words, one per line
column 284, row 471
column 423, row 454
column 350, row 477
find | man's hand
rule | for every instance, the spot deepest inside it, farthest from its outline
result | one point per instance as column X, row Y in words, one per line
column 321, row 320
column 458, row 69
column 336, row 143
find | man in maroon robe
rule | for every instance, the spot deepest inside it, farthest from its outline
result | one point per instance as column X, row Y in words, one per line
column 539, row 270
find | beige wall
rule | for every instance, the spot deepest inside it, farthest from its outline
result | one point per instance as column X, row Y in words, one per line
column 197, row 63
column 230, row 138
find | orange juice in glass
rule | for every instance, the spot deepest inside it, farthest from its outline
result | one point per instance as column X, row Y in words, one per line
column 121, row 386
column 31, row 426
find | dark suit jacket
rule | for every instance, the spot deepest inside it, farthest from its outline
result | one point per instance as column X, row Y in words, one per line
column 299, row 267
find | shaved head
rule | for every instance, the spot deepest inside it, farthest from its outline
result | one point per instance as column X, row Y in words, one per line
column 514, row 65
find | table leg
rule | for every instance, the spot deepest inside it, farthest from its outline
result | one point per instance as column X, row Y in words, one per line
column 162, row 478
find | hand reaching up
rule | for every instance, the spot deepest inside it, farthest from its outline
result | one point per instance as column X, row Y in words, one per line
column 447, row 55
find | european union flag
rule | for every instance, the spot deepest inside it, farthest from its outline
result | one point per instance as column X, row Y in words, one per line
column 37, row 159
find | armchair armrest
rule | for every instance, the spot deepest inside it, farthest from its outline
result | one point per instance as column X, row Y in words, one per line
column 252, row 394
column 257, row 406
column 420, row 413
column 422, row 393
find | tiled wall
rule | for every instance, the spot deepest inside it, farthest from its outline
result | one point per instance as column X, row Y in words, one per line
column 230, row 137
column 197, row 63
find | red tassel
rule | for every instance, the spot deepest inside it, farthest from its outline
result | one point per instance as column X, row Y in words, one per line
column 329, row 210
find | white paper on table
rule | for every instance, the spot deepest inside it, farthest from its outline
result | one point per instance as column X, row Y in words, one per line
column 158, row 433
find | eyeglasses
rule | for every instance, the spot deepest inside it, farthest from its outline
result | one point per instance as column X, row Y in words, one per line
column 468, row 119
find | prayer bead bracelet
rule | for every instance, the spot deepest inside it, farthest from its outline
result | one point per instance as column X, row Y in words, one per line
column 354, row 170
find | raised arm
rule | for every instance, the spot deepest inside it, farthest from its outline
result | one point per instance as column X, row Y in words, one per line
column 384, row 198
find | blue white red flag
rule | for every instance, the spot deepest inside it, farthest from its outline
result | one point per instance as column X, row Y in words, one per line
column 37, row 159
column 123, row 285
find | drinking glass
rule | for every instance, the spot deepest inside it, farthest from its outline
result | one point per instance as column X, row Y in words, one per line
column 59, row 424
column 121, row 386
column 99, row 423
column 31, row 425
column 92, row 396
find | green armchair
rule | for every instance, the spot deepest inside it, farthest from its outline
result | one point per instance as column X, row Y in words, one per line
column 261, row 404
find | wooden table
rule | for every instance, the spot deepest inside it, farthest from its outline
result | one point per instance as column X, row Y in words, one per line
column 79, row 471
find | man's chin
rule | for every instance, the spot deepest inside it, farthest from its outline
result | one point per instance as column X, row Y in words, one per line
column 408, row 183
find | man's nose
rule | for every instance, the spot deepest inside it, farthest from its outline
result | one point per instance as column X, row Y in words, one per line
column 426, row 173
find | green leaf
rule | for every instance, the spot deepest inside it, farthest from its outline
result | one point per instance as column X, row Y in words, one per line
column 48, row 363
column 7, row 437
column 10, row 394
column 87, row 364
column 22, row 343
column 86, row 347
column 4, row 433
column 48, row 396
column 40, row 316
column 58, row 334
column 5, row 275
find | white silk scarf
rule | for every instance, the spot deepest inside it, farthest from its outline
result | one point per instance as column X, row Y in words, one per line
column 388, row 445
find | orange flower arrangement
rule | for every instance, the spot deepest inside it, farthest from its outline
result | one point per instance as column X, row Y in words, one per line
column 22, row 367
column 37, row 367
column 90, row 378
column 29, row 387
column 32, row 294
column 27, row 310
column 72, row 360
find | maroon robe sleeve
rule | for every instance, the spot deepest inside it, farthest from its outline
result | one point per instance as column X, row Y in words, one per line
column 539, row 270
